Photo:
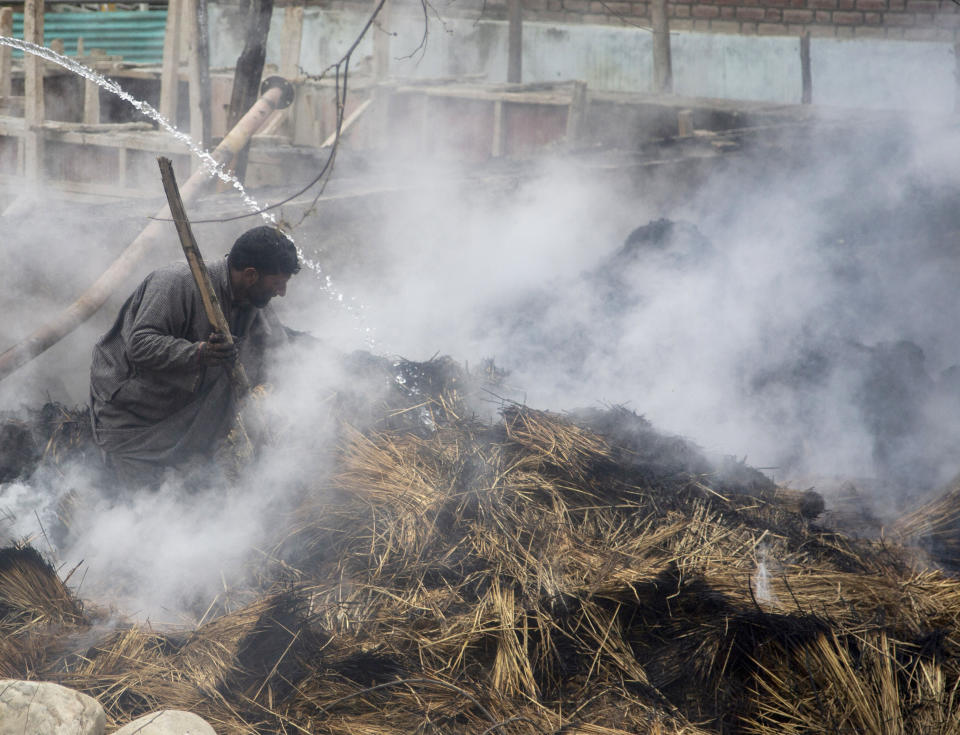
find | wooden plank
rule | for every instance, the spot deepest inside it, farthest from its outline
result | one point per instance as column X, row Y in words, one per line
column 806, row 95
column 662, row 65
column 91, row 103
column 515, row 41
column 170, row 74
column 33, row 112
column 6, row 29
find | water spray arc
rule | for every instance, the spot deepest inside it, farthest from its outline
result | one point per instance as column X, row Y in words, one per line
column 276, row 94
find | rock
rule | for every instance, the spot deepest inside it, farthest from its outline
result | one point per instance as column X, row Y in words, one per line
column 36, row 707
column 167, row 722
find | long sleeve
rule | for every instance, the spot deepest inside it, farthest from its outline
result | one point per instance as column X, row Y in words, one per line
column 161, row 337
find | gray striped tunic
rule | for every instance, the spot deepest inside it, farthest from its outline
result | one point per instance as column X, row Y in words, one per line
column 152, row 404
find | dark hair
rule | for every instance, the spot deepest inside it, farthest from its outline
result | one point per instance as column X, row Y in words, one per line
column 266, row 249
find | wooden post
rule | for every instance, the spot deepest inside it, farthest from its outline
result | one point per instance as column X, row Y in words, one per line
column 577, row 113
column 170, row 74
column 515, row 41
column 662, row 66
column 381, row 43
column 33, row 109
column 204, row 85
column 806, row 79
column 499, row 133
column 246, row 80
column 685, row 123
column 6, row 29
column 193, row 54
column 91, row 103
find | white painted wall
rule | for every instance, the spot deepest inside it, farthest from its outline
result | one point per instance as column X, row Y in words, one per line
column 873, row 74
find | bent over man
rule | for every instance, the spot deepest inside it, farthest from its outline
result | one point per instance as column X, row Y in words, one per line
column 160, row 390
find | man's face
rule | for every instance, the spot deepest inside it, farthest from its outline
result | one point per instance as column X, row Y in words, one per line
column 265, row 287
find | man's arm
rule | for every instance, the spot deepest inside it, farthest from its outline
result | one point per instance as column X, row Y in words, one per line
column 158, row 337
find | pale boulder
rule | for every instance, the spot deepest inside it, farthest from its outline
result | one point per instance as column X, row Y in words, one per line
column 167, row 722
column 44, row 708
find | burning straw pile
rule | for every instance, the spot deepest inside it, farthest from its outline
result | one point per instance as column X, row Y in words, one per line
column 564, row 574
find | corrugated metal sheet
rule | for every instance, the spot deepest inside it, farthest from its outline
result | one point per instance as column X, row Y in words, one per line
column 137, row 36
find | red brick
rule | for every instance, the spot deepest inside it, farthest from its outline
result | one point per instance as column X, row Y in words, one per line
column 871, row 4
column 847, row 19
column 724, row 26
column 798, row 16
column 872, row 19
column 751, row 13
column 896, row 4
column 844, row 31
column 727, row 12
column 922, row 6
column 705, row 11
column 748, row 29
column 865, row 32
column 949, row 21
column 846, row 4
column 771, row 29
column 822, row 31
column 683, row 24
column 823, row 4
column 894, row 32
column 701, row 25
column 681, row 11
column 823, row 16
column 577, row 6
column 897, row 19
column 773, row 15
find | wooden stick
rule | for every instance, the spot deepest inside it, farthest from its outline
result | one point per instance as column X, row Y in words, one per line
column 211, row 304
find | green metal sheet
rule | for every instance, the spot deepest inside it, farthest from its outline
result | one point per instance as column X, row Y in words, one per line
column 135, row 35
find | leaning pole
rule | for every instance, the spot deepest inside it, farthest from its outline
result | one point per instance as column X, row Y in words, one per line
column 277, row 94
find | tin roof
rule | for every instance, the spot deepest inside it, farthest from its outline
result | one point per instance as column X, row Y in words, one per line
column 135, row 35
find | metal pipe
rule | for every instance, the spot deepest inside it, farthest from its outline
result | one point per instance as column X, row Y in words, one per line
column 276, row 96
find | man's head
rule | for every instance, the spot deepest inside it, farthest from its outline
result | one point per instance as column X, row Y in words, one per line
column 261, row 262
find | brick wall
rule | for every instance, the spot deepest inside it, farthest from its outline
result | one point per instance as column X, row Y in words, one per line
column 913, row 20
column 921, row 20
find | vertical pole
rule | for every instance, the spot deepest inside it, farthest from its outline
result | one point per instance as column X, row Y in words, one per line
column 662, row 65
column 6, row 29
column 190, row 52
column 33, row 110
column 515, row 41
column 204, row 86
column 806, row 79
column 91, row 103
column 170, row 74
column 577, row 113
column 381, row 43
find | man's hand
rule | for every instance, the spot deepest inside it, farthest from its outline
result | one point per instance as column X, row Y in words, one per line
column 216, row 351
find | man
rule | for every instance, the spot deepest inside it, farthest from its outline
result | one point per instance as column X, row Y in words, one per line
column 160, row 390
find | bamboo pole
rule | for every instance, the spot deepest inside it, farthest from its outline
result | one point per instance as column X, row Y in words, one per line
column 96, row 295
column 806, row 96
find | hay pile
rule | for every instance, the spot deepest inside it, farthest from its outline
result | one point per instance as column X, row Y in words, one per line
column 565, row 574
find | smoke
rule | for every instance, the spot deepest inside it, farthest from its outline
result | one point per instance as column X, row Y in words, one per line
column 792, row 303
